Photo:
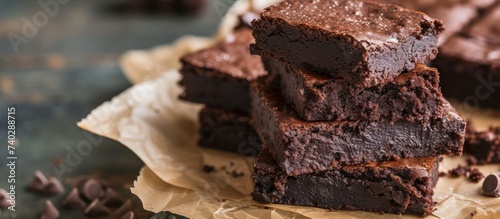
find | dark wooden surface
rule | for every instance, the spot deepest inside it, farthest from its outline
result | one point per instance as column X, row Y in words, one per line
column 63, row 72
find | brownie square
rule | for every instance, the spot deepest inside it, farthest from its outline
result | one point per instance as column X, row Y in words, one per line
column 363, row 42
column 470, row 63
column 301, row 147
column 228, row 131
column 455, row 14
column 484, row 146
column 219, row 76
column 414, row 96
column 399, row 187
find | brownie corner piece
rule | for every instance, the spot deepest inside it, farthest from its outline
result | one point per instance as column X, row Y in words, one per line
column 373, row 42
column 398, row 187
column 219, row 76
column 229, row 131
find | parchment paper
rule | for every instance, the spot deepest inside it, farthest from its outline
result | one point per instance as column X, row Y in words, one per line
column 150, row 120
column 162, row 130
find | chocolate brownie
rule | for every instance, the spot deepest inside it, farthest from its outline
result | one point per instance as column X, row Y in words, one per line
column 414, row 96
column 363, row 42
column 228, row 131
column 470, row 63
column 400, row 187
column 455, row 14
column 303, row 147
column 484, row 146
column 219, row 76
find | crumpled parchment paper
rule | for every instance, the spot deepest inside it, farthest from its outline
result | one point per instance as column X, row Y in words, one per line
column 149, row 119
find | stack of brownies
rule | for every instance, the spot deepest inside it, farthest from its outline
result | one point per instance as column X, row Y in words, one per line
column 357, row 122
column 219, row 77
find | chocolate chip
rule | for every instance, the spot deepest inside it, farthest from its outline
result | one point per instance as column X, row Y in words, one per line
column 129, row 215
column 38, row 182
column 208, row 168
column 441, row 174
column 4, row 199
column 92, row 189
column 112, row 199
column 491, row 185
column 73, row 200
column 126, row 207
column 53, row 187
column 473, row 213
column 96, row 209
column 49, row 211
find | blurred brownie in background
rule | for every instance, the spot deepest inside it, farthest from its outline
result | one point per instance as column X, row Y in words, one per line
column 456, row 14
column 484, row 146
column 470, row 62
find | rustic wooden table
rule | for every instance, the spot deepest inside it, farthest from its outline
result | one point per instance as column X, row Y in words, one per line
column 61, row 70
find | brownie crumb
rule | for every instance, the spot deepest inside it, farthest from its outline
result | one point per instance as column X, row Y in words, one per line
column 459, row 171
column 473, row 174
column 208, row 168
column 473, row 213
column 441, row 174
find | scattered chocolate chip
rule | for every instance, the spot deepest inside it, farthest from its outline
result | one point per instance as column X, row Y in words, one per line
column 473, row 213
column 92, row 189
column 112, row 199
column 236, row 174
column 475, row 175
column 126, row 207
column 96, row 209
column 38, row 182
column 53, row 187
column 441, row 158
column 129, row 215
column 4, row 199
column 73, row 200
column 49, row 211
column 231, row 163
column 208, row 168
column 491, row 185
column 441, row 174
